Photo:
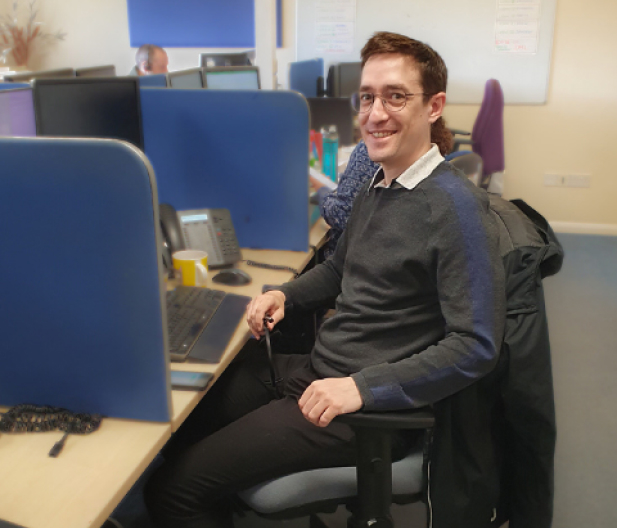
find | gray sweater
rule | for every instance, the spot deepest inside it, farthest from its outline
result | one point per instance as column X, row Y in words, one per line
column 419, row 287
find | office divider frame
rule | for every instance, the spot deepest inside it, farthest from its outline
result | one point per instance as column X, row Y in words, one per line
column 82, row 316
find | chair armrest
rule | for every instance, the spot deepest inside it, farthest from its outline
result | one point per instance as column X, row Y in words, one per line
column 408, row 419
column 458, row 132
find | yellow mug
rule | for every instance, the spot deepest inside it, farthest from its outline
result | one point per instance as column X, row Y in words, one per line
column 192, row 265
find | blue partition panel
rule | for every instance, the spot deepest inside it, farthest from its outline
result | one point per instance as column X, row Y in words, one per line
column 303, row 76
column 246, row 151
column 11, row 86
column 153, row 81
column 82, row 309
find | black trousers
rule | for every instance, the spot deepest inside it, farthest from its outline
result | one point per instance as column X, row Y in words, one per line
column 239, row 436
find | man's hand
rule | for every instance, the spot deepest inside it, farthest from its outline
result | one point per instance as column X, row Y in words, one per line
column 324, row 399
column 272, row 304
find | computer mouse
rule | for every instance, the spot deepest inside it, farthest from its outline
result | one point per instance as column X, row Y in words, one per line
column 232, row 277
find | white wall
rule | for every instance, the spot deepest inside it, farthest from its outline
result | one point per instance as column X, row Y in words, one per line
column 574, row 133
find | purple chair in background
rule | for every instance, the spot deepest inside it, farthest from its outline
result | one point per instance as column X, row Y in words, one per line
column 487, row 136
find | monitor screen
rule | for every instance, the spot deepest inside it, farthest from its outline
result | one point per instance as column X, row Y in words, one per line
column 17, row 113
column 211, row 60
column 89, row 107
column 239, row 78
column 187, row 79
column 46, row 74
column 344, row 79
column 97, row 71
column 337, row 111
column 349, row 78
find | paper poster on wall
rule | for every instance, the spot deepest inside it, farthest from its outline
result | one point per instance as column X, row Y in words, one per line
column 517, row 26
column 335, row 22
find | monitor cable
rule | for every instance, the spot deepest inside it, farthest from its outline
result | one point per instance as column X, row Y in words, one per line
column 275, row 267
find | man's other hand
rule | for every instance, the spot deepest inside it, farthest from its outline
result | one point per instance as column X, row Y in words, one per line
column 324, row 399
column 271, row 304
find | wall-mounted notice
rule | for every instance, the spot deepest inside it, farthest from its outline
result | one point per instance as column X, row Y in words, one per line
column 517, row 26
column 335, row 22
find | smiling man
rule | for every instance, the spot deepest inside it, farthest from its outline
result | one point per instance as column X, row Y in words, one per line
column 420, row 308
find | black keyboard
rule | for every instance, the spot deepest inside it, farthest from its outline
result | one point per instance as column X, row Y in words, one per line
column 201, row 322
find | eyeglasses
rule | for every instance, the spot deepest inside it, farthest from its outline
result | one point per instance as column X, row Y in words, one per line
column 393, row 101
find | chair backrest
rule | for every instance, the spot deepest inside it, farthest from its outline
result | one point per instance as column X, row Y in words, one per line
column 487, row 133
column 470, row 163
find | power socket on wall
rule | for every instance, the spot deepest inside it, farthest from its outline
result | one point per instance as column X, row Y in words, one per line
column 567, row 180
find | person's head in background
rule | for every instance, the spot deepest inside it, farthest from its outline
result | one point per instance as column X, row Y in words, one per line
column 398, row 65
column 151, row 59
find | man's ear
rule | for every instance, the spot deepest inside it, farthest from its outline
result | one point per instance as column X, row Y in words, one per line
column 143, row 67
column 436, row 104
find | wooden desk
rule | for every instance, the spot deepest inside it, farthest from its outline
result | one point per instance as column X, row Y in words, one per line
column 84, row 484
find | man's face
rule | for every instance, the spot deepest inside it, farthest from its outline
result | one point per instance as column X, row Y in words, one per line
column 159, row 63
column 396, row 139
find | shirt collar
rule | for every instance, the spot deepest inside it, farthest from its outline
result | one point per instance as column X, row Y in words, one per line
column 417, row 172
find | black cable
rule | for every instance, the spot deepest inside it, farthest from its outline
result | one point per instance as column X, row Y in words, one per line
column 275, row 267
column 274, row 379
column 42, row 418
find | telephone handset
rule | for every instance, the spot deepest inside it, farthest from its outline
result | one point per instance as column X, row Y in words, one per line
column 210, row 230
column 172, row 233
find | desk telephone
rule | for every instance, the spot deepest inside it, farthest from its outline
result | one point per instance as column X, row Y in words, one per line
column 210, row 230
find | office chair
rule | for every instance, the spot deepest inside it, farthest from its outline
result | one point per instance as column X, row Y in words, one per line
column 470, row 163
column 368, row 489
column 487, row 136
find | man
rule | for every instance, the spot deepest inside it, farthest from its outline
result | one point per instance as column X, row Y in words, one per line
column 150, row 60
column 419, row 315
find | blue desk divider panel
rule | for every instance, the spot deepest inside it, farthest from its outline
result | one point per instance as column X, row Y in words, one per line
column 246, row 151
column 303, row 76
column 153, row 81
column 11, row 86
column 82, row 311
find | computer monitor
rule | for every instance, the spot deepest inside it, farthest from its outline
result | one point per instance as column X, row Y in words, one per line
column 46, row 74
column 89, row 107
column 96, row 71
column 17, row 113
column 211, row 60
column 188, row 79
column 337, row 111
column 232, row 78
column 343, row 79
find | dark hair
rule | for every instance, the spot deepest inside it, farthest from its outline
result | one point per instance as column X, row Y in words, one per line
column 432, row 68
column 145, row 54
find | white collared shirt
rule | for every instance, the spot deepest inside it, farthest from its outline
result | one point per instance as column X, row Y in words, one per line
column 417, row 172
